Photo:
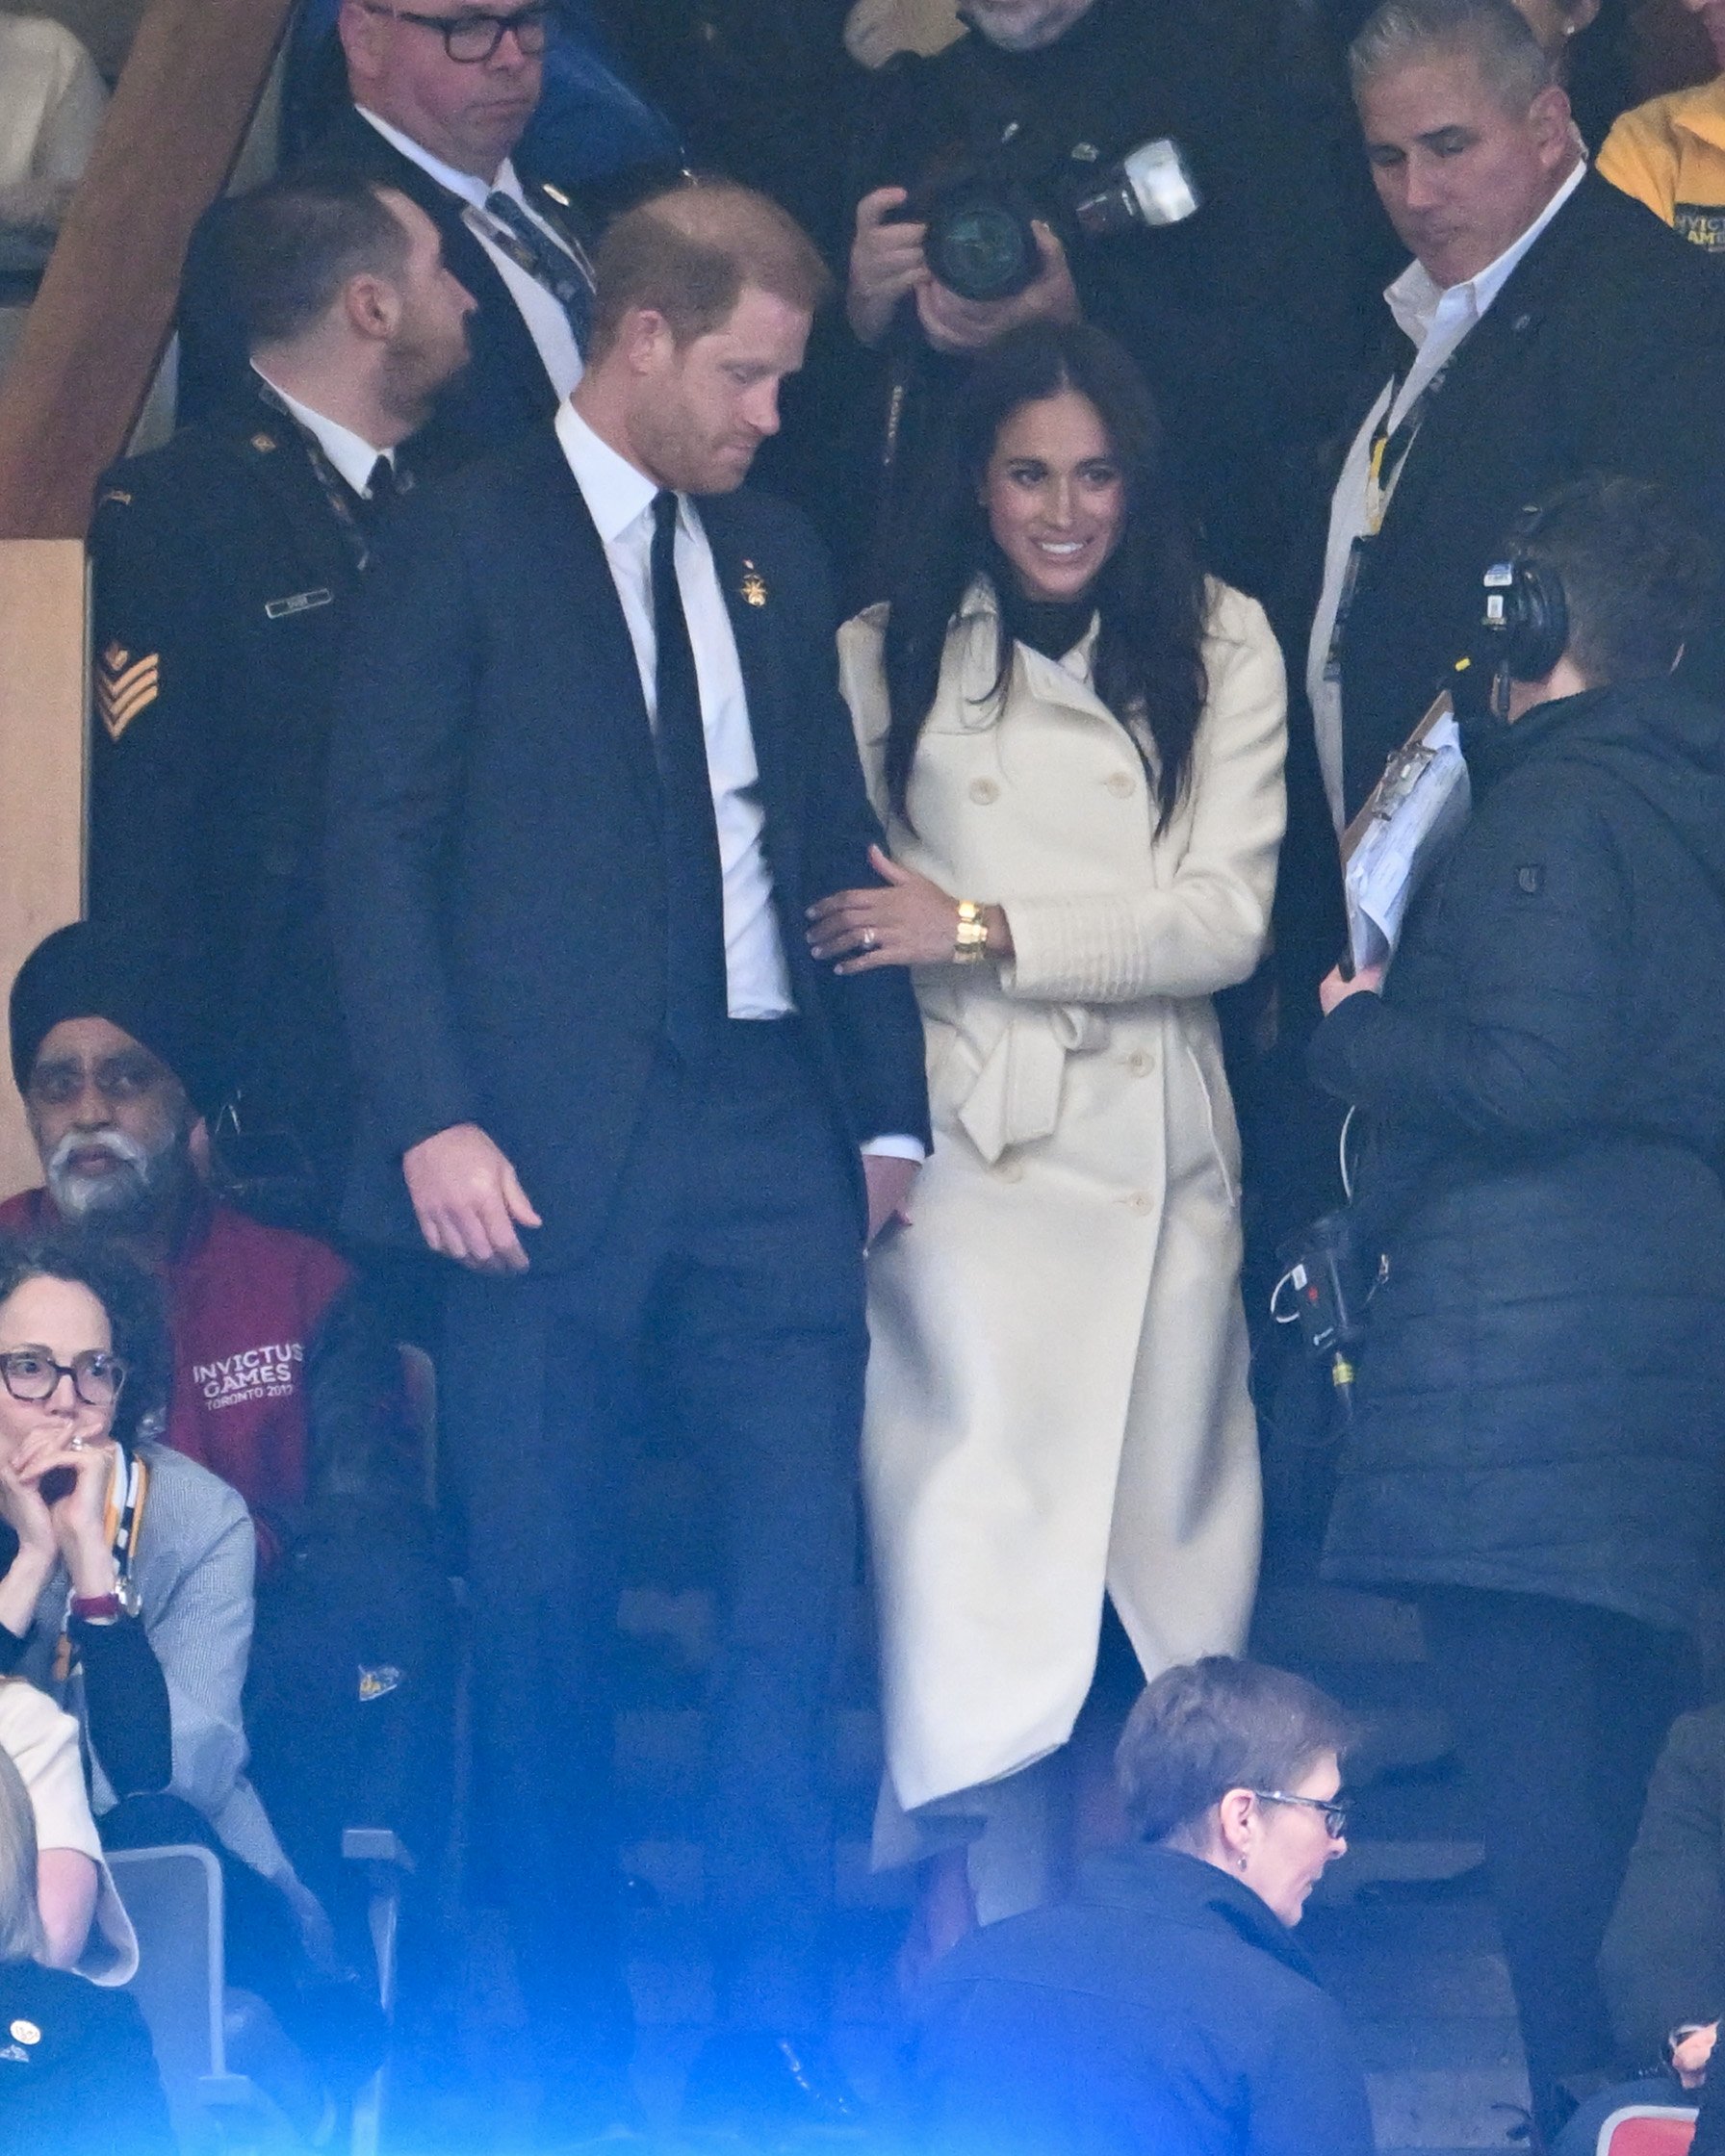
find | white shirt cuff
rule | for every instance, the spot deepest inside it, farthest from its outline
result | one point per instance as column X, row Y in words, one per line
column 895, row 1146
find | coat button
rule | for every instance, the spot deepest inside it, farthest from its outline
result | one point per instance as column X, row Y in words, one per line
column 984, row 790
column 1141, row 1062
column 1121, row 782
column 1139, row 1201
column 1009, row 1171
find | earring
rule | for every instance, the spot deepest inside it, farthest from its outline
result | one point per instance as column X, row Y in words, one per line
column 1240, row 1861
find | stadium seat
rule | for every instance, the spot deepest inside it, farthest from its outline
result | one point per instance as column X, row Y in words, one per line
column 1647, row 2130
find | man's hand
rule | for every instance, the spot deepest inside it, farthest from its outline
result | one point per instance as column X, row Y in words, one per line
column 468, row 1199
column 889, row 1179
column 1335, row 987
column 952, row 324
column 885, row 263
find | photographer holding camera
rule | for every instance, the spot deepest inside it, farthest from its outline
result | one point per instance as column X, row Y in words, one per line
column 1138, row 164
column 1538, row 1451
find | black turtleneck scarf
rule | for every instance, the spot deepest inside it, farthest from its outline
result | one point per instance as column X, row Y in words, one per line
column 1049, row 626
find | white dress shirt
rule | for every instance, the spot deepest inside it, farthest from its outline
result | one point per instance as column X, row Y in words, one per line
column 352, row 454
column 620, row 501
column 540, row 309
column 1434, row 319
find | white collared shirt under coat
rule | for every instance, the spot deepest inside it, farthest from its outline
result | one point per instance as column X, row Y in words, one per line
column 620, row 500
column 542, row 310
column 1057, row 1396
column 1434, row 319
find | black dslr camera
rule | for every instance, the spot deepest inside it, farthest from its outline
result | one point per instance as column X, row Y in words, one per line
column 979, row 213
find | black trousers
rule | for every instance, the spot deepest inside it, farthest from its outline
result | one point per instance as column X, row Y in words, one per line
column 726, row 1281
column 1559, row 1711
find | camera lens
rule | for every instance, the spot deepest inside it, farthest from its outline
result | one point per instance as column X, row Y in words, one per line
column 981, row 249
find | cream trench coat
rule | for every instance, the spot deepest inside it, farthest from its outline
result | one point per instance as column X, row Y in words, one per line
column 1057, row 1389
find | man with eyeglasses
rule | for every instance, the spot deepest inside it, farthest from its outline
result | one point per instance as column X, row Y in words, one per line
column 441, row 96
column 280, row 1385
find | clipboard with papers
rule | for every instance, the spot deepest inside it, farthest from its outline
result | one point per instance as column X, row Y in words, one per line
column 1413, row 814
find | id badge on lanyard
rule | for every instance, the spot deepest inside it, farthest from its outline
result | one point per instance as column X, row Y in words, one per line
column 1384, row 466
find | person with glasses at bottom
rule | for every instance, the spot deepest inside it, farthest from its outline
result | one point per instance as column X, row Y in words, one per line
column 125, row 1595
column 1167, row 2004
column 441, row 96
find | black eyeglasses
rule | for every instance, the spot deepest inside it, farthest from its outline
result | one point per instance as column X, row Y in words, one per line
column 1335, row 1815
column 472, row 37
column 31, row 1374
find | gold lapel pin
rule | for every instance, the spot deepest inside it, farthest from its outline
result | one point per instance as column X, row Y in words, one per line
column 753, row 585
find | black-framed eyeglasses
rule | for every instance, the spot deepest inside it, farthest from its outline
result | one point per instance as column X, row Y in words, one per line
column 31, row 1374
column 1335, row 1815
column 472, row 35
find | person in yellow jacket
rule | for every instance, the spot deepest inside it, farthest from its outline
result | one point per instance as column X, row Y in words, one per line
column 1670, row 153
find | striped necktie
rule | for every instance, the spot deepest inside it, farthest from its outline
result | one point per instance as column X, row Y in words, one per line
column 535, row 250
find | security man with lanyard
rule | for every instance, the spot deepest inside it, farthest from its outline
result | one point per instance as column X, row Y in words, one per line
column 225, row 568
column 1548, row 327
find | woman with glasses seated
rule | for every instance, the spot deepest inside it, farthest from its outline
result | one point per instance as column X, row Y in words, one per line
column 126, row 1595
column 1167, row 2006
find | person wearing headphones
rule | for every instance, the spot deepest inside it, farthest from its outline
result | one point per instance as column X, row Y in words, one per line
column 1537, row 1454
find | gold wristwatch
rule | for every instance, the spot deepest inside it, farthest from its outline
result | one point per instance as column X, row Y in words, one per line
column 972, row 940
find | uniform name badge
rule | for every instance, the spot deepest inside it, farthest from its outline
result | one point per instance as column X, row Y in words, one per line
column 299, row 603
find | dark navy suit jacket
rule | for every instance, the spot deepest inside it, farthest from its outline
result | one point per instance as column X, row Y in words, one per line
column 497, row 889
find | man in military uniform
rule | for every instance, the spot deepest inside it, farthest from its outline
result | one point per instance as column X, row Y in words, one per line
column 1245, row 317
column 226, row 564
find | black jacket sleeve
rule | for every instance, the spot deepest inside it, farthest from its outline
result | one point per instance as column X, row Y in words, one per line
column 876, row 1027
column 394, row 787
column 1664, row 1957
column 125, row 1698
column 1536, row 914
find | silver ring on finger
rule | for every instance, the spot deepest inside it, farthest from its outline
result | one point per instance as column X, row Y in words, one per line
column 75, row 1445
column 869, row 939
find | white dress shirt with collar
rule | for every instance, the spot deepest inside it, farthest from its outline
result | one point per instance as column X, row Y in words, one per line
column 353, row 457
column 540, row 309
column 620, row 498
column 1434, row 319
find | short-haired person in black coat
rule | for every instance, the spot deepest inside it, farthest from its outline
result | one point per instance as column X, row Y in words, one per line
column 227, row 565
column 593, row 770
column 1538, row 1448
column 1166, row 2008
column 1547, row 327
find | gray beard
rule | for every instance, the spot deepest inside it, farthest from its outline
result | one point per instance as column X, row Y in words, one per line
column 124, row 1200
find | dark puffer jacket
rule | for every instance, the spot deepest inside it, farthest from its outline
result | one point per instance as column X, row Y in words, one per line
column 1541, row 1403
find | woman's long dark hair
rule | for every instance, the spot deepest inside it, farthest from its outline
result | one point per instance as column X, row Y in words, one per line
column 1148, row 667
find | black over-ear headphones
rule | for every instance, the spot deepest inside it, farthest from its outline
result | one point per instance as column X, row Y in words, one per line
column 1526, row 619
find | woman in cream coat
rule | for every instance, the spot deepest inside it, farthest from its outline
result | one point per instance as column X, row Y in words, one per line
column 1057, row 1394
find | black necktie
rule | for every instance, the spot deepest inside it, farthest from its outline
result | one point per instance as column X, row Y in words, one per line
column 539, row 255
column 695, row 1000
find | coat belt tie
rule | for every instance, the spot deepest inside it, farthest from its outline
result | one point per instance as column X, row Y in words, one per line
column 1016, row 1097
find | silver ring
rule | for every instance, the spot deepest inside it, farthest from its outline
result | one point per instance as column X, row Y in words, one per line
column 75, row 1445
column 868, row 939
